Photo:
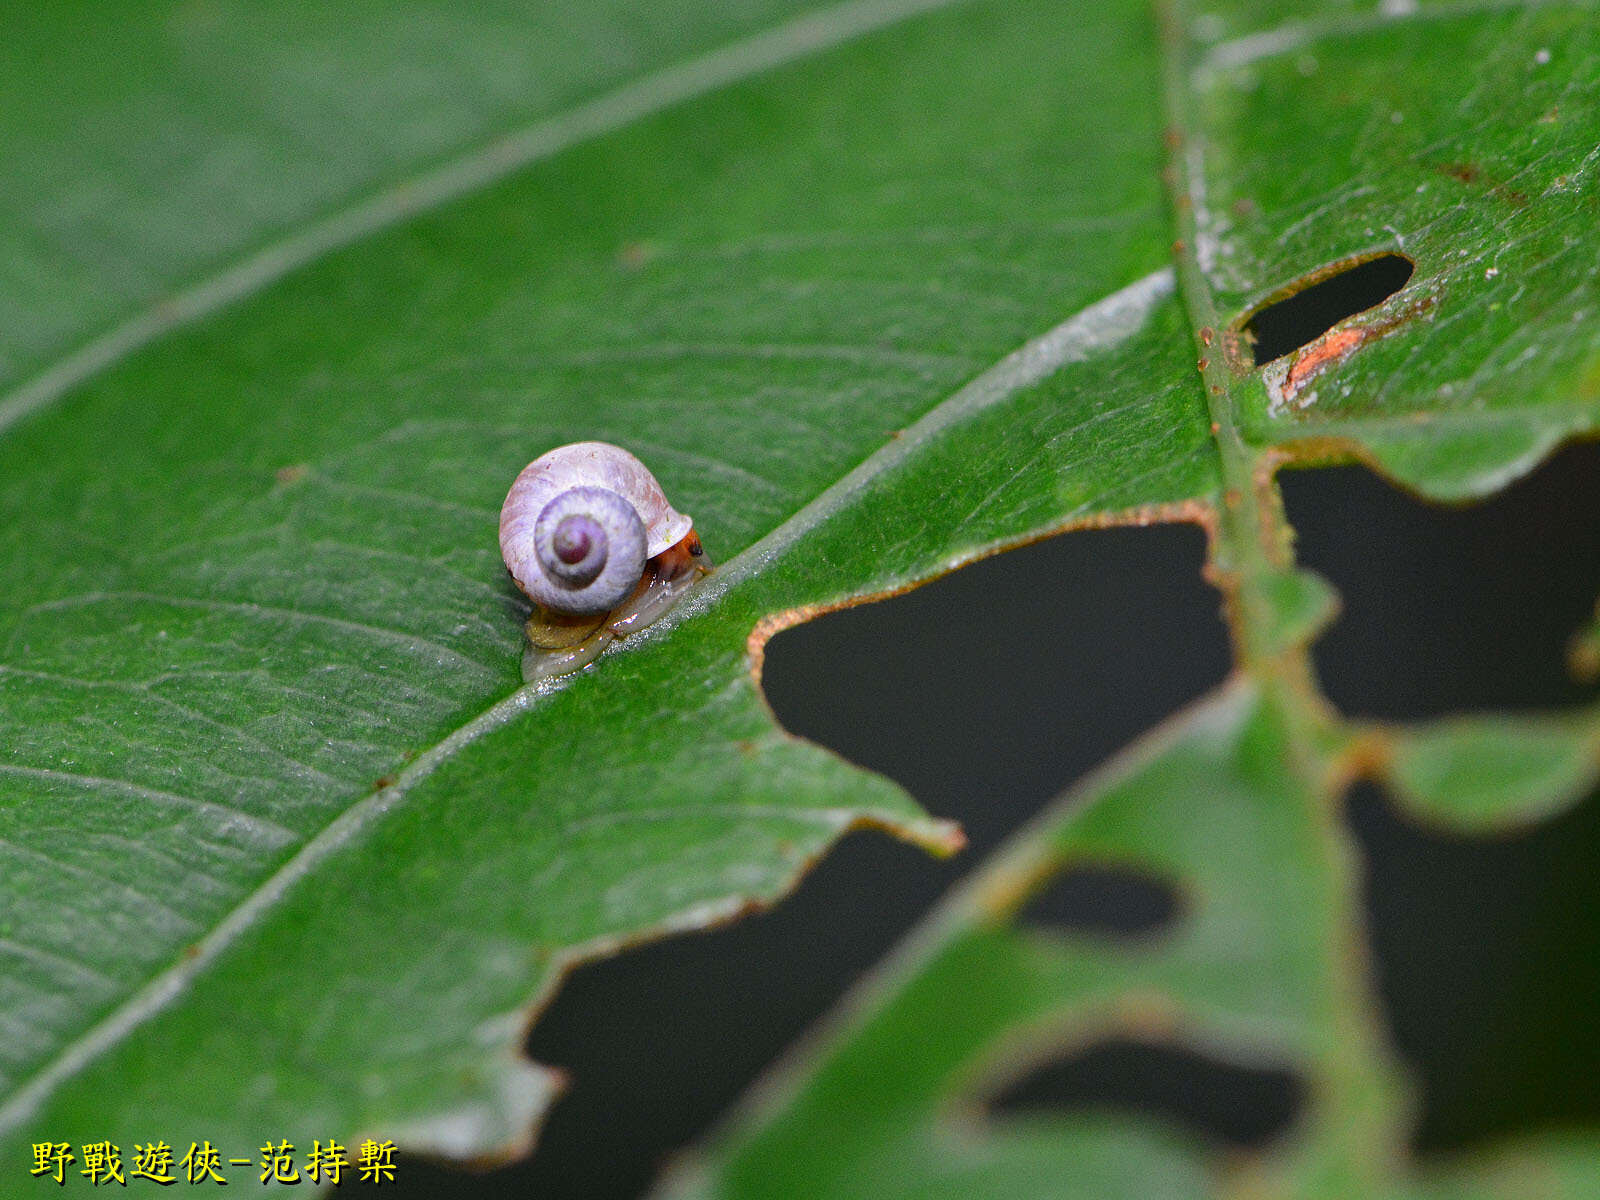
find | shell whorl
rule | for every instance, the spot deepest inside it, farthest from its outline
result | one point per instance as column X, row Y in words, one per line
column 579, row 523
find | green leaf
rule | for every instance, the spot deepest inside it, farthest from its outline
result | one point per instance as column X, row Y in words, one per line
column 287, row 849
column 1300, row 144
column 875, row 289
column 1494, row 771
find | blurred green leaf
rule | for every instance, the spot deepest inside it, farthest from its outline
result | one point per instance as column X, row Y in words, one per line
column 1251, row 970
column 1261, row 967
column 1461, row 136
column 1495, row 771
column 165, row 157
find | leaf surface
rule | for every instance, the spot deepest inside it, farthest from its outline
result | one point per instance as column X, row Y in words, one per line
column 876, row 296
column 166, row 158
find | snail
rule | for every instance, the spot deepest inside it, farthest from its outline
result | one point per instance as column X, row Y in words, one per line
column 588, row 536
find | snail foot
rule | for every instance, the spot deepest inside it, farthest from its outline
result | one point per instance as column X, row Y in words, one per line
column 540, row 663
column 551, row 630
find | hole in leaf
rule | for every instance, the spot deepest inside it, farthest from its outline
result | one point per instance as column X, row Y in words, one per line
column 1446, row 609
column 1485, row 955
column 989, row 690
column 1222, row 1103
column 1104, row 900
column 1321, row 300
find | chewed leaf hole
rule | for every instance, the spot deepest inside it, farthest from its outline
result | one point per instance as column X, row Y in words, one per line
column 987, row 690
column 1222, row 1103
column 1104, row 900
column 1319, row 301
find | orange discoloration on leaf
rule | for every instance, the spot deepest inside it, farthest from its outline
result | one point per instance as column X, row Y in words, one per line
column 1321, row 354
column 1334, row 347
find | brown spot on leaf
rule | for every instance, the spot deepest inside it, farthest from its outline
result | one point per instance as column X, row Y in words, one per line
column 1320, row 354
column 1471, row 173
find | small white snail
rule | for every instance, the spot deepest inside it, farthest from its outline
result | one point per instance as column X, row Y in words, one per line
column 589, row 537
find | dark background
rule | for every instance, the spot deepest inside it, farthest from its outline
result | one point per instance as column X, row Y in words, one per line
column 1485, row 948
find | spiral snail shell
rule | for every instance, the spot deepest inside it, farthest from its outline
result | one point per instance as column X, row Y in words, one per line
column 580, row 522
column 588, row 535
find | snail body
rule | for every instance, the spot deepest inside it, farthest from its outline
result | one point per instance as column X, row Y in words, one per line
column 589, row 536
